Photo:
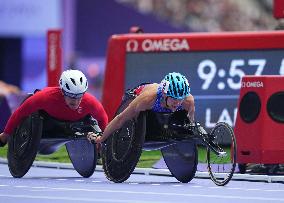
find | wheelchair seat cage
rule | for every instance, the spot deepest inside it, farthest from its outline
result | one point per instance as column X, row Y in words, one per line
column 40, row 133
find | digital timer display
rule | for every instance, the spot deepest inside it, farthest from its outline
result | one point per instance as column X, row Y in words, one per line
column 214, row 76
column 209, row 73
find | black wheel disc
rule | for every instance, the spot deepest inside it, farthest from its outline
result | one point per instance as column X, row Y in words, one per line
column 23, row 145
column 122, row 150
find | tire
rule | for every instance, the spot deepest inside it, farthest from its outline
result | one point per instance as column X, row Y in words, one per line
column 23, row 145
column 221, row 169
column 122, row 150
column 242, row 168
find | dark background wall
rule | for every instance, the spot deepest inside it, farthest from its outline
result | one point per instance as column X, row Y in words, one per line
column 11, row 60
column 97, row 20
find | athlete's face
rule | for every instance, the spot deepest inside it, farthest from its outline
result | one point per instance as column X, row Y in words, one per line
column 72, row 103
column 173, row 103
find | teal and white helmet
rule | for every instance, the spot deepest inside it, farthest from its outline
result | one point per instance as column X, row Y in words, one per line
column 175, row 85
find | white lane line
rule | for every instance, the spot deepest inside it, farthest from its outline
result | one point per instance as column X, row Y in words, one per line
column 266, row 199
column 175, row 194
column 21, row 186
column 97, row 181
column 234, row 188
column 61, row 179
column 155, row 184
column 177, row 185
column 253, row 189
column 5, row 176
column 274, row 190
column 166, row 194
column 39, row 187
column 79, row 180
column 79, row 199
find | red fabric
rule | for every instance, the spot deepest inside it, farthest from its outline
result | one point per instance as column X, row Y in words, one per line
column 52, row 101
column 139, row 89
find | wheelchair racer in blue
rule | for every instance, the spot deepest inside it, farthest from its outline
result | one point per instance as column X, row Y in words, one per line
column 172, row 94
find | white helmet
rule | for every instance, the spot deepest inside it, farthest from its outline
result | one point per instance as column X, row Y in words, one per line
column 73, row 83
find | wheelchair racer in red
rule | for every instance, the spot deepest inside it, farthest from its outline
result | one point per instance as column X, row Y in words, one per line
column 69, row 102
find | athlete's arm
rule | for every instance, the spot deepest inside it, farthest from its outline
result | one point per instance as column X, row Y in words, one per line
column 29, row 106
column 140, row 103
column 3, row 138
column 188, row 105
column 98, row 112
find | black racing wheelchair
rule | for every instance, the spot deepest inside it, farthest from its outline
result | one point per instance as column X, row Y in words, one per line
column 177, row 138
column 40, row 133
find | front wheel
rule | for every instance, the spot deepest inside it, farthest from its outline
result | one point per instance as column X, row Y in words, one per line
column 221, row 167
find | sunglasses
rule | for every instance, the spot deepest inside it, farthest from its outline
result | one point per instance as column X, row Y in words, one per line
column 175, row 98
column 73, row 96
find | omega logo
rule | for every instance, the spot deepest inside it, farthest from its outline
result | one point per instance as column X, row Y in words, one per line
column 149, row 45
column 132, row 46
column 252, row 84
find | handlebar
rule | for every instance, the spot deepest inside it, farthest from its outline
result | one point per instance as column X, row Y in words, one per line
column 194, row 127
column 81, row 128
column 197, row 131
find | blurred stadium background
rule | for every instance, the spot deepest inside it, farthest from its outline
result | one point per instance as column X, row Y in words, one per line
column 88, row 24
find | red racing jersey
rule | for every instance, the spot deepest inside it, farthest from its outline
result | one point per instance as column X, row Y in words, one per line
column 51, row 100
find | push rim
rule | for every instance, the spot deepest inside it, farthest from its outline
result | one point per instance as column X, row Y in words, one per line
column 221, row 168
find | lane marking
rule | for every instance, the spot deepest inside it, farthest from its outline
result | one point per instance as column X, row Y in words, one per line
column 21, row 186
column 79, row 180
column 97, row 181
column 197, row 186
column 79, row 199
column 177, row 185
column 137, row 193
column 136, row 183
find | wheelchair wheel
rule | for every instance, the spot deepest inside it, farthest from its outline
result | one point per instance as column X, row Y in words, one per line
column 122, row 149
column 23, row 145
column 221, row 168
column 242, row 168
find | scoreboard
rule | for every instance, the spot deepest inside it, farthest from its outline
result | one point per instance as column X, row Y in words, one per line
column 214, row 64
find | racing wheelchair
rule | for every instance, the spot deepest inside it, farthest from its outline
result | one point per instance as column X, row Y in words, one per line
column 40, row 133
column 178, row 140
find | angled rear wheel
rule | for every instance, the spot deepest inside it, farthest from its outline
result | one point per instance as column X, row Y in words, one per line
column 23, row 145
column 122, row 150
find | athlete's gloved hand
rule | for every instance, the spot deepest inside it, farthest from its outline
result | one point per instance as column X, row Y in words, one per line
column 3, row 139
column 92, row 137
column 190, row 116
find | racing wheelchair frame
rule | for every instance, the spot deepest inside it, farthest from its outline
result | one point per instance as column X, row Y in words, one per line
column 177, row 138
column 40, row 133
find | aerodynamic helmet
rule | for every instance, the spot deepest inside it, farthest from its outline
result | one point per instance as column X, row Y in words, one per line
column 175, row 85
column 73, row 83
